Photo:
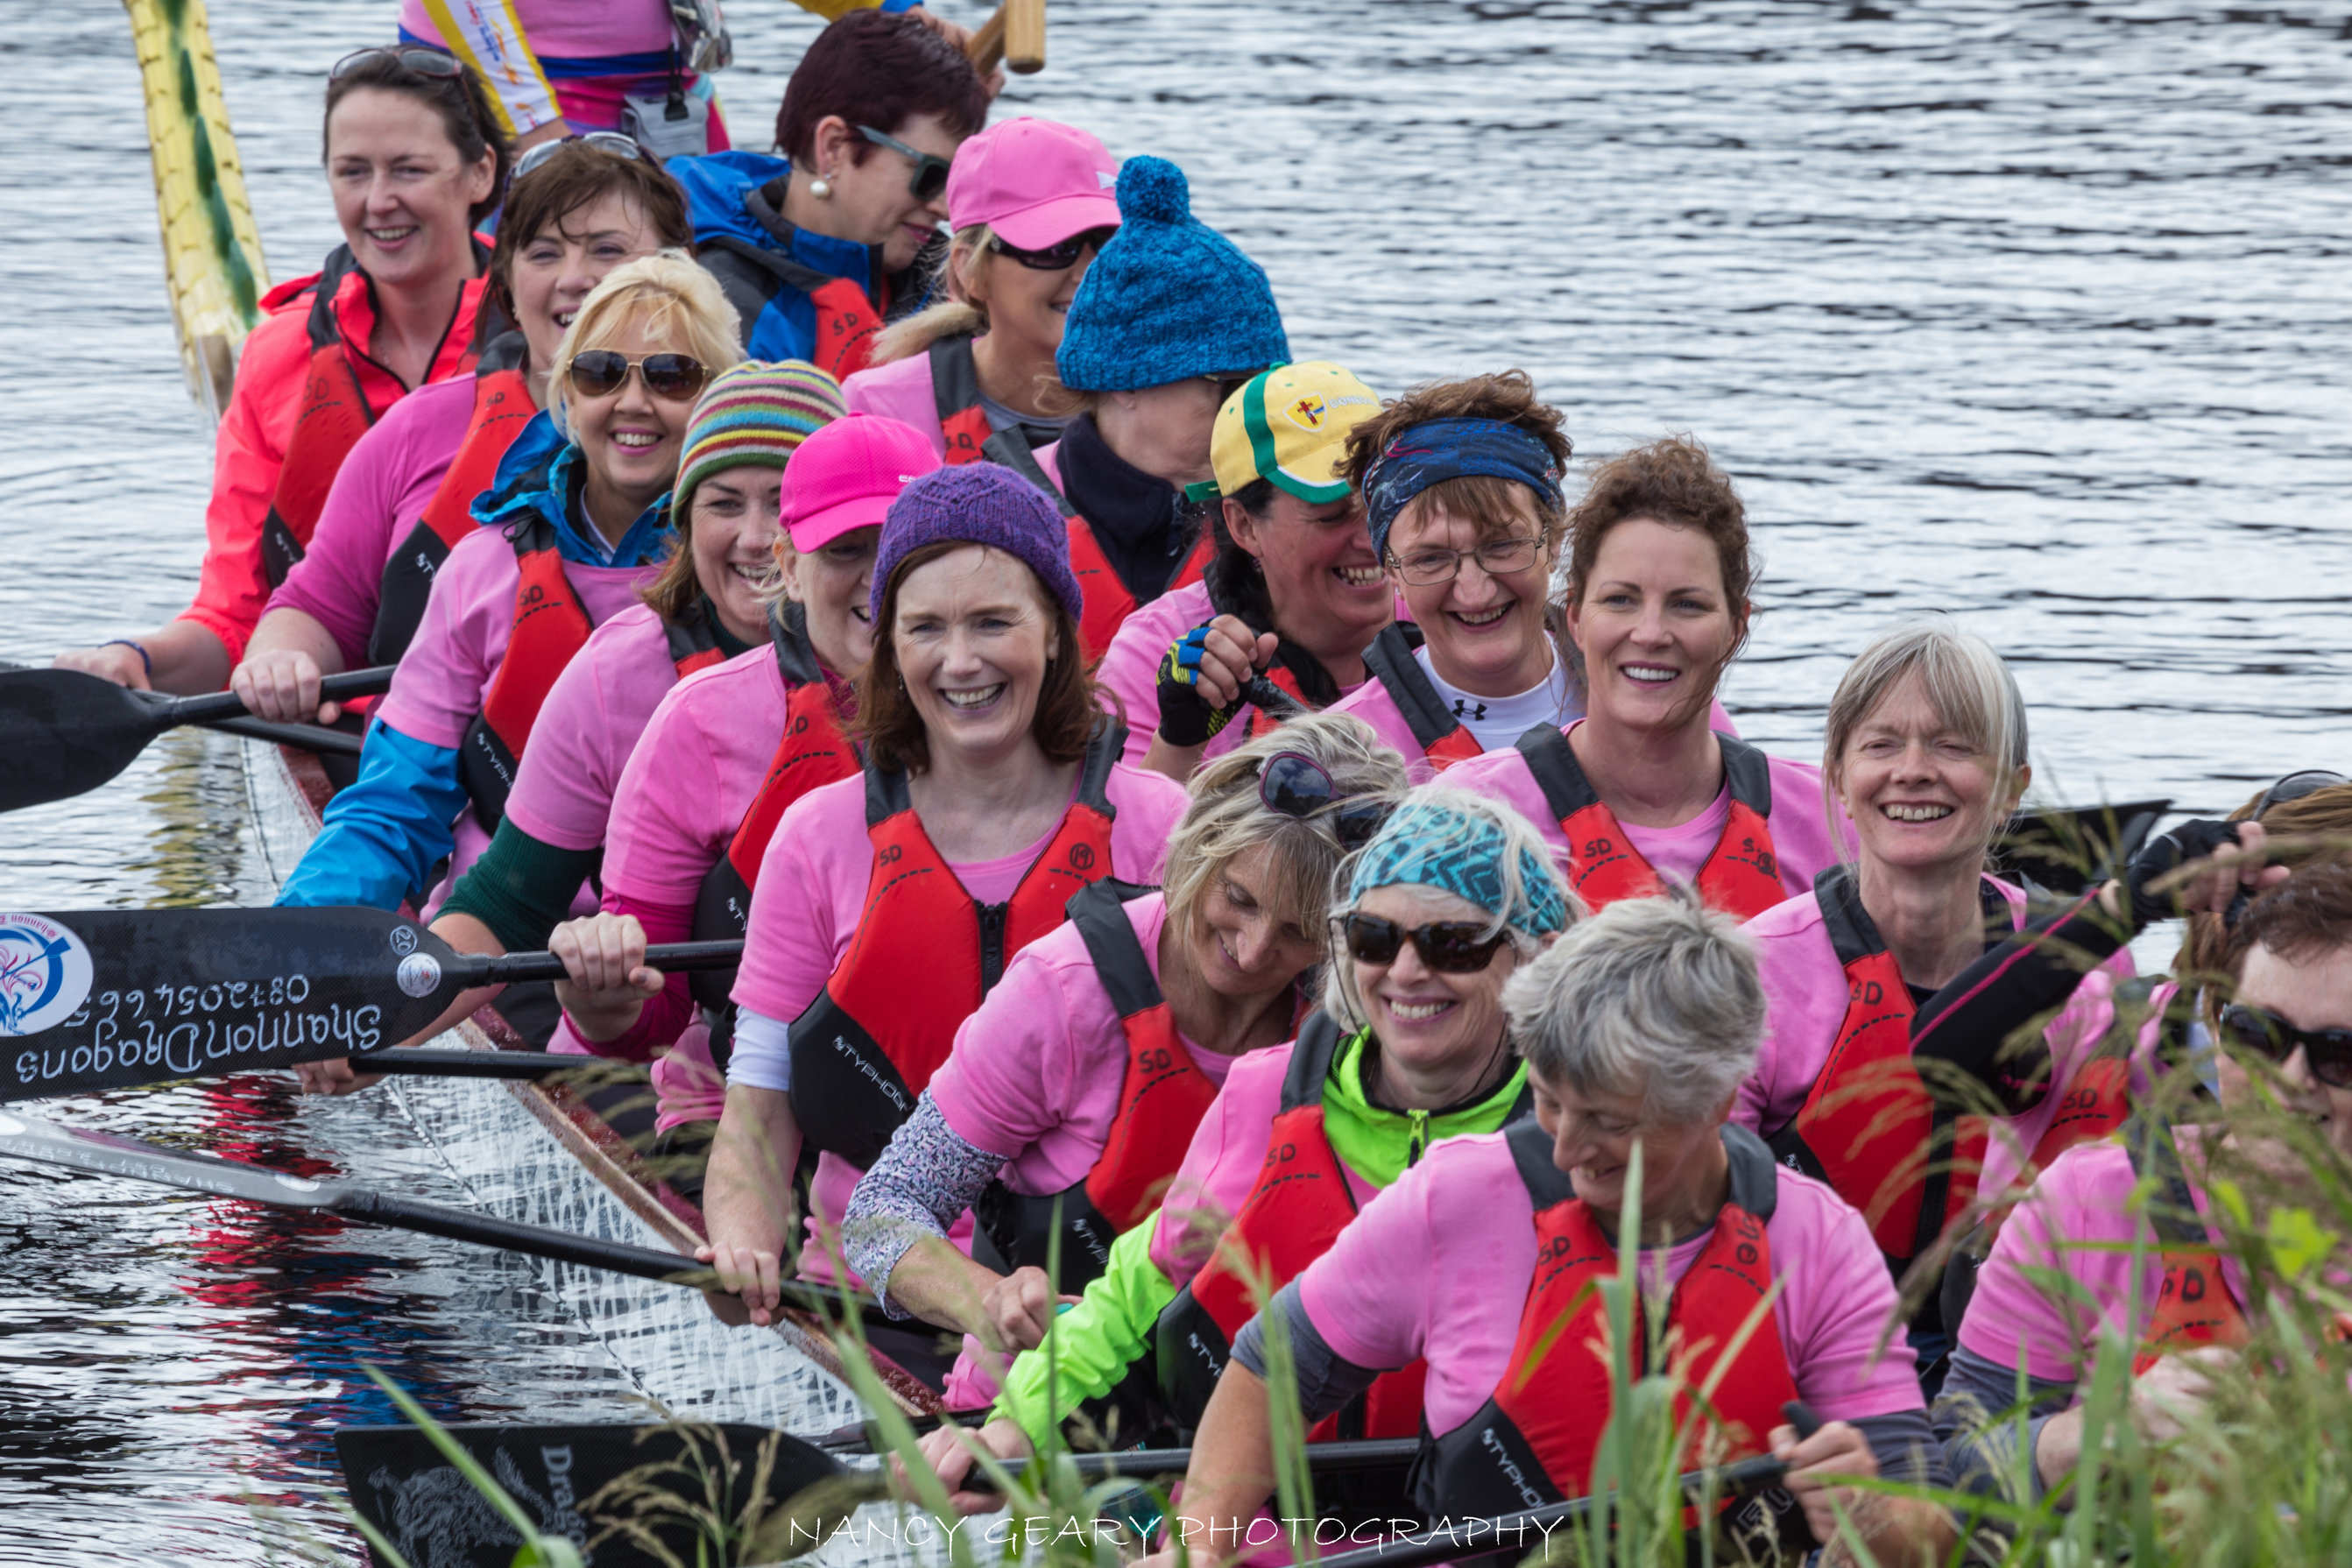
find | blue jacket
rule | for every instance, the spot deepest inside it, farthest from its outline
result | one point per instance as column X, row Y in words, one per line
column 766, row 267
column 385, row 837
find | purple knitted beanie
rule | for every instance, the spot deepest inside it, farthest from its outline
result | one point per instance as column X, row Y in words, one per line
column 977, row 503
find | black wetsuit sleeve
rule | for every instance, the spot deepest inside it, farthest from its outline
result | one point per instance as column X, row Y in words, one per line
column 1982, row 1452
column 522, row 888
column 1967, row 1024
column 1327, row 1380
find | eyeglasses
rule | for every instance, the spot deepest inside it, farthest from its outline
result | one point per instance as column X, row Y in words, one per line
column 421, row 62
column 1295, row 784
column 1054, row 257
column 1496, row 558
column 930, row 181
column 1448, row 947
column 612, row 141
column 2329, row 1051
column 1228, row 382
column 598, row 372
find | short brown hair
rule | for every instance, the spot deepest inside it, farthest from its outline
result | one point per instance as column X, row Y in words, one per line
column 575, row 176
column 1494, row 506
column 466, row 118
column 2309, row 914
column 2210, row 946
column 892, row 730
column 880, row 69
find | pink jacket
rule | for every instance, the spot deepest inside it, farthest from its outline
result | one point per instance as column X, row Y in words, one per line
column 900, row 390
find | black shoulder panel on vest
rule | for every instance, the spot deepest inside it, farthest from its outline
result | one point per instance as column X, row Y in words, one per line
column 1390, row 660
column 2148, row 1140
column 1853, row 934
column 693, row 633
column 1310, row 1060
column 1099, row 912
column 1531, row 1148
column 1103, row 748
column 955, row 378
column 1565, row 790
column 795, row 655
column 1749, row 773
column 1755, row 1178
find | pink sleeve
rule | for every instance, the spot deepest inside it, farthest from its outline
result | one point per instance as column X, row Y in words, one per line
column 2059, row 1243
column 1800, row 831
column 1128, row 679
column 1007, row 1082
column 1369, row 1295
column 591, row 719
column 1804, row 1003
column 447, row 668
column 656, row 849
column 1503, row 776
column 900, row 390
column 1837, row 1300
column 340, row 578
column 789, row 949
column 666, row 1016
column 1150, row 805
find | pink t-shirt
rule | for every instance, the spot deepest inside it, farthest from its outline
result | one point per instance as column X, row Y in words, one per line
column 569, row 29
column 1805, row 1000
column 2077, row 1220
column 900, row 390
column 1035, row 1073
column 383, row 488
column 462, row 640
column 1801, row 835
column 598, row 706
column 1439, row 1265
column 812, row 894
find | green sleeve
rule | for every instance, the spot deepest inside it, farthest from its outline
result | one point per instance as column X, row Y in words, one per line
column 521, row 888
column 1095, row 1343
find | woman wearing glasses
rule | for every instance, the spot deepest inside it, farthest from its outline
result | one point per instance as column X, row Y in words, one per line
column 818, row 248
column 1659, row 576
column 1029, row 204
column 574, row 211
column 888, row 903
column 571, row 530
column 1071, row 1095
column 414, row 159
column 1449, row 898
column 2064, row 1274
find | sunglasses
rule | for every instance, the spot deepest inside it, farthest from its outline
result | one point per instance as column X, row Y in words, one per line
column 612, row 141
column 1054, row 257
column 421, row 62
column 930, row 181
column 1295, row 784
column 677, row 378
column 1447, row 947
column 2329, row 1051
column 2293, row 788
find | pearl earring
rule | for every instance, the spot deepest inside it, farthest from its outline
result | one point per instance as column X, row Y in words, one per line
column 821, row 187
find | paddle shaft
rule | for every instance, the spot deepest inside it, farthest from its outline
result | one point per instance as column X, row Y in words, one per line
column 309, row 737
column 229, row 705
column 512, row 968
column 430, row 1061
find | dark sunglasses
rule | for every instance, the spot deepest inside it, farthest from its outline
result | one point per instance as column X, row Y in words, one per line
column 678, row 378
column 1295, row 784
column 1448, row 947
column 930, row 181
column 2329, row 1051
column 420, row 62
column 1054, row 257
column 612, row 141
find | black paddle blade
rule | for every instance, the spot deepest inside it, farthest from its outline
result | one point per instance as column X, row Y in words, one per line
column 112, row 998
column 25, row 1138
column 63, row 733
column 425, row 1506
column 2071, row 850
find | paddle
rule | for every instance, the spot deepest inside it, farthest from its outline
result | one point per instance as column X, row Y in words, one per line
column 114, row 998
column 309, row 737
column 426, row 1061
column 2068, row 849
column 63, row 733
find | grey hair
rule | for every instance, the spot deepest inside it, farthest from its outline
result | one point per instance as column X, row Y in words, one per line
column 1655, row 998
column 1225, row 818
column 1520, row 841
column 1969, row 685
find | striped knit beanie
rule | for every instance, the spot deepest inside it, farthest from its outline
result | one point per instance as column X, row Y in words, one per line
column 756, row 412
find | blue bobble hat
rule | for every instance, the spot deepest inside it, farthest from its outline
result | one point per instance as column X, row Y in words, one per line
column 1169, row 297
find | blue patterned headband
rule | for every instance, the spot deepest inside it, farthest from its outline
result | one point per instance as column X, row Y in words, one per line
column 1426, row 845
column 1422, row 455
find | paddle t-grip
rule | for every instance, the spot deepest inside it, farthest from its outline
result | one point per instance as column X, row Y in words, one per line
column 1804, row 1417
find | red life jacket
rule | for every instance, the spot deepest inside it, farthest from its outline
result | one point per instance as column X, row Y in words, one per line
column 925, row 955
column 1869, row 1128
column 811, row 751
column 551, row 627
column 1105, row 600
column 1162, row 1096
column 1533, row 1442
column 1297, row 1209
column 502, row 406
column 1441, row 737
column 2195, row 1306
column 1741, row 876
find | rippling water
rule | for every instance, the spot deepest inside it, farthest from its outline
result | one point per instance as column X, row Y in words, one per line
column 2032, row 312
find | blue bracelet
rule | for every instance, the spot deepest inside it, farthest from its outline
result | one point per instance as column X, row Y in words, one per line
column 146, row 660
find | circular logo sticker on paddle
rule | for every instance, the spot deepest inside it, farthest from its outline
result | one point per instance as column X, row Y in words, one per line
column 44, row 973
column 403, row 941
column 418, row 973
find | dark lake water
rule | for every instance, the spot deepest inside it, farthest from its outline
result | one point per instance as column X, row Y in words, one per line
column 2034, row 313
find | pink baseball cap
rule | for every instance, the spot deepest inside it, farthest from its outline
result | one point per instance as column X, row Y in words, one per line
column 848, row 478
column 1033, row 182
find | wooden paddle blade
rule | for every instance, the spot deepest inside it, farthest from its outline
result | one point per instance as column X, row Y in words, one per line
column 402, row 1484
column 63, row 733
column 94, row 999
column 26, row 1138
column 1025, row 36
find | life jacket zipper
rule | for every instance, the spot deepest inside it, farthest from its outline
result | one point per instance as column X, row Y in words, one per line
column 992, row 946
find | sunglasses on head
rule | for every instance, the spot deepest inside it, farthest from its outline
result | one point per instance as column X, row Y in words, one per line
column 930, row 181
column 612, row 141
column 1295, row 784
column 2293, row 788
column 2329, row 1051
column 419, row 62
column 1054, row 257
column 677, row 378
column 1448, row 947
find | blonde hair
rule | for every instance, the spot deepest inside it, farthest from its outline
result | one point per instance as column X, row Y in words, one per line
column 957, row 316
column 1225, row 818
column 1966, row 683
column 666, row 294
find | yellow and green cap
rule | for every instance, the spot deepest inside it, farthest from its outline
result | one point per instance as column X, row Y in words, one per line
column 1288, row 424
